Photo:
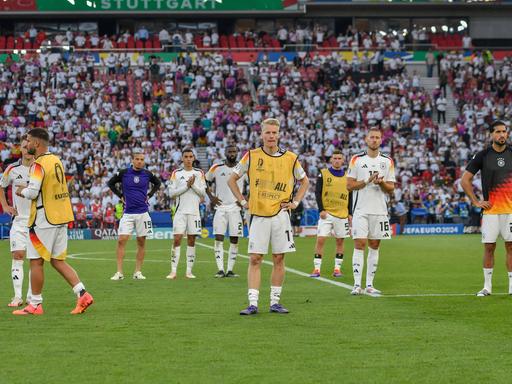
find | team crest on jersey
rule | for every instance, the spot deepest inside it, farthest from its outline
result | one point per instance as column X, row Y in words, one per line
column 501, row 162
column 136, row 179
column 260, row 165
column 382, row 165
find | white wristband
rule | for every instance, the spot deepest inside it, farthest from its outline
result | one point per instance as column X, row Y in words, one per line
column 296, row 203
column 243, row 203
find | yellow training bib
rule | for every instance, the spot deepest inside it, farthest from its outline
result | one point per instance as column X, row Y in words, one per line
column 271, row 181
column 334, row 194
column 54, row 191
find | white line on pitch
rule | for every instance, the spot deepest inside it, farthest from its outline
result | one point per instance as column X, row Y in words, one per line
column 349, row 287
column 440, row 294
column 78, row 256
column 291, row 270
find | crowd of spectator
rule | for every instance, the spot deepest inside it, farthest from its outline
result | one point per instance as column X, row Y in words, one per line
column 299, row 37
column 97, row 114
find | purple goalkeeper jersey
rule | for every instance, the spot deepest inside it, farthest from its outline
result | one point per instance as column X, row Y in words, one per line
column 134, row 188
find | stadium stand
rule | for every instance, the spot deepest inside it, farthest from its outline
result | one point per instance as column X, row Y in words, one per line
column 97, row 113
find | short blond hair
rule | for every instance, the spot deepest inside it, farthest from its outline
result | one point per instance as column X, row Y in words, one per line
column 271, row 121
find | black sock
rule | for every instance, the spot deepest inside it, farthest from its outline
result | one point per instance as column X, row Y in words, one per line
column 318, row 256
column 82, row 292
column 339, row 256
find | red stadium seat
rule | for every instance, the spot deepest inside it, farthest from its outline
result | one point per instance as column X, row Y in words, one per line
column 10, row 43
column 19, row 43
column 148, row 44
column 240, row 41
column 232, row 41
column 223, row 42
column 2, row 42
column 198, row 41
column 139, row 45
column 27, row 44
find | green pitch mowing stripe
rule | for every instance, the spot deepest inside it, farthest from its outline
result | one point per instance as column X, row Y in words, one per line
column 189, row 331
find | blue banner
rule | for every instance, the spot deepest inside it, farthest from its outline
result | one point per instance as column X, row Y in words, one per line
column 434, row 229
column 79, row 234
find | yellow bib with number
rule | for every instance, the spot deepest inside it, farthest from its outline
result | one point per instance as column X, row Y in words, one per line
column 271, row 181
column 54, row 192
column 334, row 194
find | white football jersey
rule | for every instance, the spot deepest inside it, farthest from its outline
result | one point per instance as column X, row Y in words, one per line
column 16, row 174
column 370, row 200
column 187, row 200
column 220, row 174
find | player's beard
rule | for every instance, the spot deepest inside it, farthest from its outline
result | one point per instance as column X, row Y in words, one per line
column 231, row 160
column 499, row 143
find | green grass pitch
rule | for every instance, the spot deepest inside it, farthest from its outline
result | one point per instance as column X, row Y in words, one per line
column 189, row 331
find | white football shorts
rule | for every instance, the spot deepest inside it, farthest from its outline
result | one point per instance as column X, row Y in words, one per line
column 140, row 222
column 184, row 224
column 18, row 238
column 276, row 231
column 48, row 243
column 333, row 226
column 373, row 227
column 231, row 220
column 495, row 225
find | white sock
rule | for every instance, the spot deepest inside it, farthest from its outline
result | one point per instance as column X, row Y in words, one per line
column 371, row 265
column 17, row 277
column 275, row 295
column 510, row 283
column 357, row 265
column 233, row 253
column 338, row 260
column 218, row 247
column 317, row 261
column 35, row 300
column 253, row 295
column 175, row 258
column 78, row 288
column 191, row 258
column 488, row 279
